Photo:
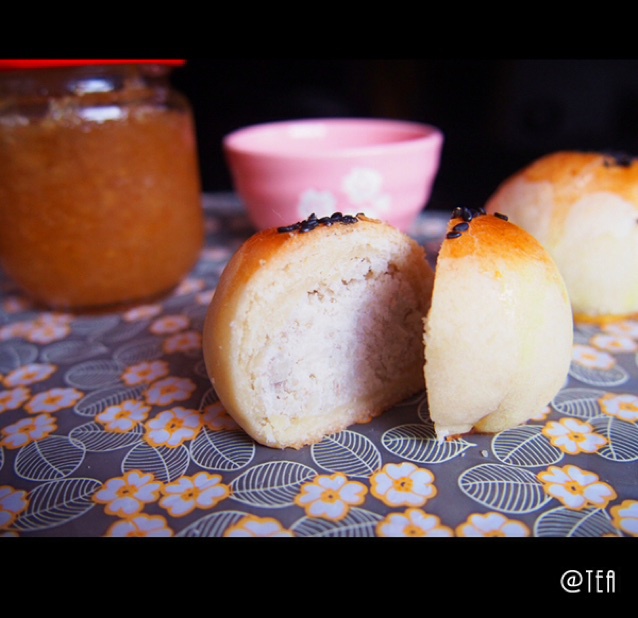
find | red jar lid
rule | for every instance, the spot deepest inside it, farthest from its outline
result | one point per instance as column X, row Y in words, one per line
column 7, row 65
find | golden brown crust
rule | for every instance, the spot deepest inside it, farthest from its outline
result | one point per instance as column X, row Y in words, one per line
column 583, row 208
column 488, row 236
column 593, row 171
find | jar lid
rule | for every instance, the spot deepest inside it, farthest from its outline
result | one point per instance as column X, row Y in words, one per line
column 7, row 65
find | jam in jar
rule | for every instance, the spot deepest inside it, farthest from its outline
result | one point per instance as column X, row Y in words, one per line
column 100, row 193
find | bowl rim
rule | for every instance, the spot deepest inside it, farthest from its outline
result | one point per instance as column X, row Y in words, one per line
column 424, row 135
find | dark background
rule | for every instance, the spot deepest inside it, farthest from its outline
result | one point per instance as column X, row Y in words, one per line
column 497, row 115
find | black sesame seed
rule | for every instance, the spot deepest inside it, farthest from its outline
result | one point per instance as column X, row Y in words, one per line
column 501, row 216
column 452, row 235
column 461, row 227
column 619, row 159
column 467, row 213
column 288, row 228
column 309, row 224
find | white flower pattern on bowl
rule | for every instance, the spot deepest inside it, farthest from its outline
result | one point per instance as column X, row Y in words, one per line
column 322, row 203
column 363, row 190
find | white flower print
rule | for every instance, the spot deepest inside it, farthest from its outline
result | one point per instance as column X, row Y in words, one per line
column 588, row 356
column 321, row 203
column 362, row 185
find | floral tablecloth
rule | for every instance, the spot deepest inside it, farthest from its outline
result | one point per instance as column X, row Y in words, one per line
column 109, row 426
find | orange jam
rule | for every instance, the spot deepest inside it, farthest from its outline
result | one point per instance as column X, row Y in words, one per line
column 100, row 196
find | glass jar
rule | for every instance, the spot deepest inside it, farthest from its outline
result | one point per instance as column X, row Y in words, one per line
column 100, row 192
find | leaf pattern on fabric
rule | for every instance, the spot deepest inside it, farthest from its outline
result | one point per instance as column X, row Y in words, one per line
column 563, row 522
column 166, row 464
column 55, row 503
column 417, row 442
column 213, row 525
column 15, row 354
column 525, row 447
column 50, row 459
column 358, row 523
column 144, row 349
column 579, row 402
column 97, row 440
column 222, row 450
column 93, row 374
column 272, row 484
column 95, row 402
column 622, row 439
column 349, row 452
column 504, row 488
column 607, row 378
column 72, row 351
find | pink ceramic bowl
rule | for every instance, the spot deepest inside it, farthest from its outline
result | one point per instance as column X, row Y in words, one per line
column 285, row 171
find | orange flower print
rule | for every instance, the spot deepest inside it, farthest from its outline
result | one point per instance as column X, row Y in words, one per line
column 145, row 372
column 48, row 328
column 622, row 328
column 201, row 491
column 141, row 525
column 187, row 341
column 29, row 374
column 169, row 324
column 403, row 484
column 14, row 330
column 622, row 406
column 168, row 390
column 257, row 527
column 625, row 516
column 413, row 523
column 492, row 525
column 576, row 488
column 573, row 436
column 173, row 427
column 142, row 312
column 12, row 503
column 331, row 497
column 53, row 400
column 13, row 399
column 188, row 286
column 614, row 343
column 590, row 357
column 126, row 495
column 123, row 417
column 27, row 430
column 217, row 419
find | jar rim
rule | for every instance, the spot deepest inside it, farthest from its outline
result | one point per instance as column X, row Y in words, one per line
column 19, row 64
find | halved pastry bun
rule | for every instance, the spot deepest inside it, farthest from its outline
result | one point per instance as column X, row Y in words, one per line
column 499, row 333
column 583, row 208
column 318, row 326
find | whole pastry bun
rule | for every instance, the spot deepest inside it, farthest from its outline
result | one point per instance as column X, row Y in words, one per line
column 499, row 333
column 583, row 208
column 317, row 326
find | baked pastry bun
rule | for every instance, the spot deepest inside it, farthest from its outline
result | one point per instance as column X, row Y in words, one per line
column 499, row 333
column 583, row 208
column 316, row 326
